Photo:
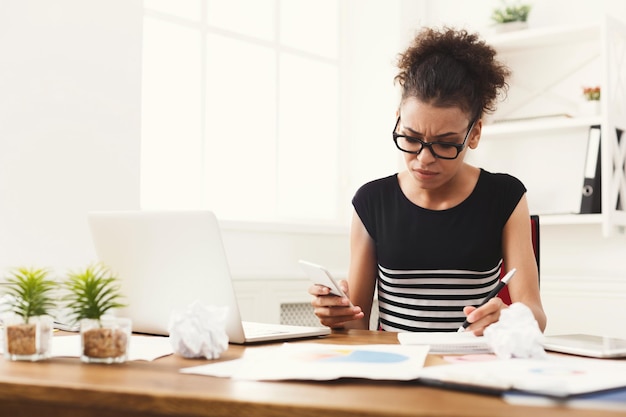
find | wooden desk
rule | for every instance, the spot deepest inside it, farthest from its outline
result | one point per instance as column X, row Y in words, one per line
column 67, row 387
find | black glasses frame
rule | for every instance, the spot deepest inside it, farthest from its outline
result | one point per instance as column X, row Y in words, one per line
column 458, row 146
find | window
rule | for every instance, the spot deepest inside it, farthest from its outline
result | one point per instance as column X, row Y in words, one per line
column 241, row 108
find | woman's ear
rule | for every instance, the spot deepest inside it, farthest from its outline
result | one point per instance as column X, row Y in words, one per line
column 475, row 134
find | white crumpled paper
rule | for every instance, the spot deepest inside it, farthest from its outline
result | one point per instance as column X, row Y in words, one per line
column 199, row 331
column 516, row 334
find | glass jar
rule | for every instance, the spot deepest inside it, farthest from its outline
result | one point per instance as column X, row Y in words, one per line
column 106, row 340
column 30, row 341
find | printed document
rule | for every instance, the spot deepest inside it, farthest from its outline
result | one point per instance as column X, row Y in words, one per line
column 321, row 361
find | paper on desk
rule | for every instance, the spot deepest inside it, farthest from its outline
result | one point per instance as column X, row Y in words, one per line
column 556, row 376
column 142, row 348
column 446, row 342
column 321, row 361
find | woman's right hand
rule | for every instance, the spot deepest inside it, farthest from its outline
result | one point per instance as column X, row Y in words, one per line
column 333, row 311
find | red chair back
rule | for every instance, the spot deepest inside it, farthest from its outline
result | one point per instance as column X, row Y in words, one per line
column 534, row 226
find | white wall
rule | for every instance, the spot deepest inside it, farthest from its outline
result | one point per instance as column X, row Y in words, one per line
column 69, row 124
column 372, row 41
column 70, row 129
column 583, row 282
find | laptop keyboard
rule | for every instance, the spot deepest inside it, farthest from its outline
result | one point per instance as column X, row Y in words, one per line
column 252, row 329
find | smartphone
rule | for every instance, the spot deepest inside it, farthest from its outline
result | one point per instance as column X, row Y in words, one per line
column 320, row 276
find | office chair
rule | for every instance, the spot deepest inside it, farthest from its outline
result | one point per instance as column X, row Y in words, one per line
column 534, row 227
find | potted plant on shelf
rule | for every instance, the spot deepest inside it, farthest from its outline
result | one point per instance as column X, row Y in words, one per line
column 591, row 104
column 92, row 293
column 511, row 16
column 28, row 326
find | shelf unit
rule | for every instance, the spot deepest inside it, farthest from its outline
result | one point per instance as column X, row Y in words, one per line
column 550, row 65
column 539, row 125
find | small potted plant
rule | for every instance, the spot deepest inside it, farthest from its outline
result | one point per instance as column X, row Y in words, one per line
column 591, row 104
column 92, row 293
column 592, row 93
column 28, row 327
column 511, row 16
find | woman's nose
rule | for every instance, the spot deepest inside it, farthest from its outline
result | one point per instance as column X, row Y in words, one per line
column 426, row 156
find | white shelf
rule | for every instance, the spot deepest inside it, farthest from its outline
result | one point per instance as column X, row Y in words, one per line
column 569, row 219
column 549, row 66
column 542, row 124
column 538, row 37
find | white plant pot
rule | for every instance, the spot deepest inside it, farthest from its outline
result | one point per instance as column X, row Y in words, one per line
column 510, row 26
column 589, row 108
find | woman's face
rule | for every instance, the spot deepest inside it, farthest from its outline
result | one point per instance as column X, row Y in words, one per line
column 446, row 125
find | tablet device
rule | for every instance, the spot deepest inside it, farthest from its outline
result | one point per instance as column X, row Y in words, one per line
column 586, row 345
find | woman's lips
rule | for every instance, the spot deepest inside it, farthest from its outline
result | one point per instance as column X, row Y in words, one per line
column 424, row 173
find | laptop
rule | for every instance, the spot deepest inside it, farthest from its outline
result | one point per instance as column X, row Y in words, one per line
column 586, row 345
column 166, row 260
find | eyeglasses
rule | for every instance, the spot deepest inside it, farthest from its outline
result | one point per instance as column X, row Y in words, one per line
column 443, row 150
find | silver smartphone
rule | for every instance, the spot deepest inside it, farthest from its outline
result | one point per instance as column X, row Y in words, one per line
column 320, row 276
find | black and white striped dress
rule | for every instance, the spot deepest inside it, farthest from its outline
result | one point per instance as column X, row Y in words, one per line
column 432, row 263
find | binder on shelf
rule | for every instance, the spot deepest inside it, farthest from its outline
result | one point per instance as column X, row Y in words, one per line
column 619, row 205
column 591, row 201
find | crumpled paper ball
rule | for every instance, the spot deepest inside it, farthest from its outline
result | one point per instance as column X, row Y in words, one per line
column 516, row 334
column 199, row 331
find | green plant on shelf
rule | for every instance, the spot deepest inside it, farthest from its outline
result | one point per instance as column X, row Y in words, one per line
column 591, row 93
column 511, row 12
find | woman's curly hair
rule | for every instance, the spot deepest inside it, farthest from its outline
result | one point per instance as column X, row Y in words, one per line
column 451, row 67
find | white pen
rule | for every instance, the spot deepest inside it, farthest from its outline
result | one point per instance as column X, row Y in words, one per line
column 492, row 294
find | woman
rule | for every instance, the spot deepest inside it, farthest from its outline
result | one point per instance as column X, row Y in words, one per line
column 433, row 238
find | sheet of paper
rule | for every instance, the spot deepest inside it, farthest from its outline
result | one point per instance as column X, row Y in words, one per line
column 142, row 348
column 446, row 342
column 321, row 361
column 557, row 376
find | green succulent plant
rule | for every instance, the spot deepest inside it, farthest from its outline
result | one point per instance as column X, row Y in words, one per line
column 32, row 292
column 92, row 292
column 511, row 12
